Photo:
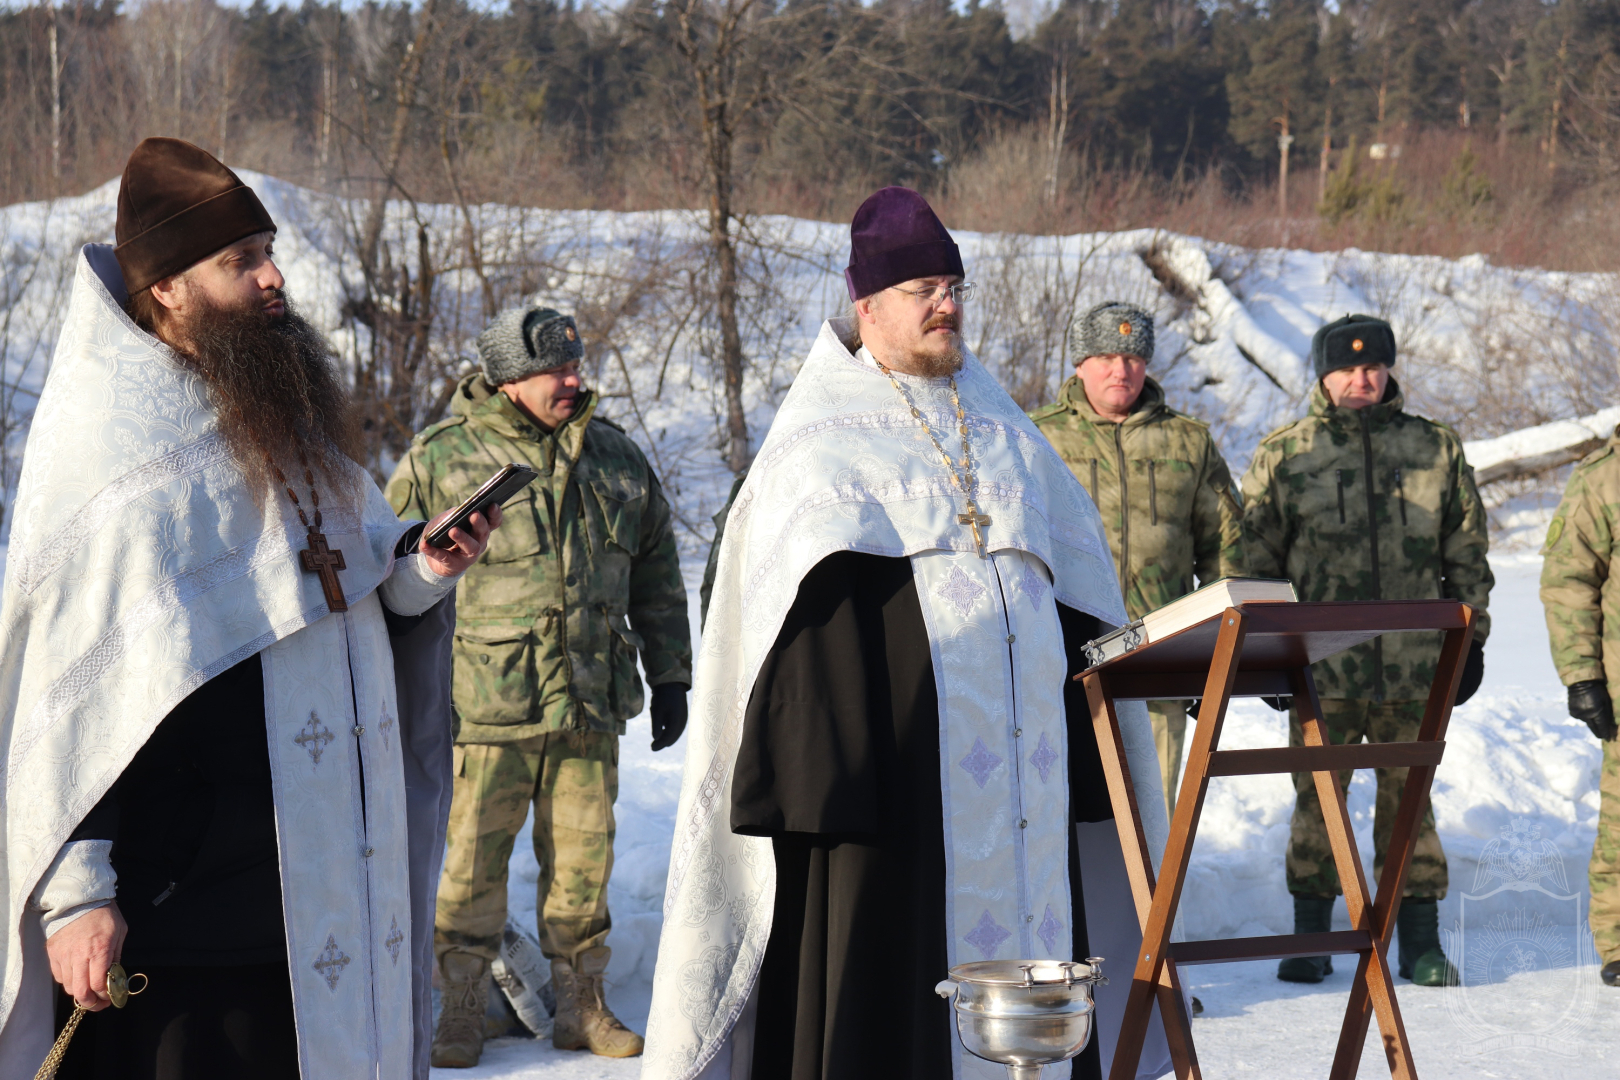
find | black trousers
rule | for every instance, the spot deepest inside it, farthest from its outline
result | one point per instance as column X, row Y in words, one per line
column 192, row 1023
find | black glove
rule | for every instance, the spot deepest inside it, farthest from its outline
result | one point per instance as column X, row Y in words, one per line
column 1280, row 704
column 668, row 713
column 1473, row 673
column 1589, row 702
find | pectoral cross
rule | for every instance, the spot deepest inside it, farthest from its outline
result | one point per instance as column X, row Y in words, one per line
column 322, row 560
column 973, row 519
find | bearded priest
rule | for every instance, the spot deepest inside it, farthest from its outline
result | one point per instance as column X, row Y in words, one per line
column 893, row 773
column 224, row 670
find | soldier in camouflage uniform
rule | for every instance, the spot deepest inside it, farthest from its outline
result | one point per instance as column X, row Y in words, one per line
column 1582, row 599
column 551, row 620
column 1417, row 531
column 1158, row 480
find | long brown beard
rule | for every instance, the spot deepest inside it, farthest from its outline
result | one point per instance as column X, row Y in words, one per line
column 274, row 385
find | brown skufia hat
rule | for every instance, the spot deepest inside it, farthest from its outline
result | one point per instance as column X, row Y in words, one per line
column 178, row 205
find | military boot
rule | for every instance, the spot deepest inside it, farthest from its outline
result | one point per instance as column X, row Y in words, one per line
column 1611, row 973
column 463, row 999
column 1312, row 915
column 1417, row 928
column 583, row 1020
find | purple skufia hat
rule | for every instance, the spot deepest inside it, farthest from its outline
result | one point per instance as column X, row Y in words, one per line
column 896, row 237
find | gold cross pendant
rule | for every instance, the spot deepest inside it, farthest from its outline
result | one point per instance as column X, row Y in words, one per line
column 973, row 519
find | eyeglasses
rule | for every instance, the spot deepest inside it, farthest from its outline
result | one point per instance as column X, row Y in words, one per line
column 959, row 294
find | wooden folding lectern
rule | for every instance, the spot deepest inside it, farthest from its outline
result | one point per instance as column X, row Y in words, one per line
column 1261, row 649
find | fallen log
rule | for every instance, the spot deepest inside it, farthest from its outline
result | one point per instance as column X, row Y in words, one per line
column 1538, row 449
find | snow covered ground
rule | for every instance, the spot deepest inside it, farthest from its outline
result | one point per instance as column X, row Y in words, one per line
column 1532, row 1006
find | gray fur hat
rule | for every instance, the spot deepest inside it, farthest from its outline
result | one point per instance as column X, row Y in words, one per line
column 525, row 341
column 1113, row 326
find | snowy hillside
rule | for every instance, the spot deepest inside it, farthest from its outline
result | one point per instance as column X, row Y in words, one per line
column 1486, row 349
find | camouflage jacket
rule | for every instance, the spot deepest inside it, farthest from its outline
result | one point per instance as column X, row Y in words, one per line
column 1581, row 597
column 1417, row 532
column 1163, row 490
column 582, row 575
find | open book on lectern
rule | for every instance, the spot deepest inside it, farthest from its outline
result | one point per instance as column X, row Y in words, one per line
column 1190, row 610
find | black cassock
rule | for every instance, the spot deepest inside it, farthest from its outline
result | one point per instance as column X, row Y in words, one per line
column 839, row 766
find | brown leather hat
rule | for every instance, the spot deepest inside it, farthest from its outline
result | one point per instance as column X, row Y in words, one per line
column 176, row 206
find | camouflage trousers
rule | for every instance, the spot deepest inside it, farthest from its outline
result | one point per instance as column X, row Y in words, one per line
column 572, row 782
column 1311, row 869
column 1169, row 736
column 1604, row 870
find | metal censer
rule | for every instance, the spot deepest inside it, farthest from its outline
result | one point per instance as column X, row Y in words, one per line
column 1023, row 1013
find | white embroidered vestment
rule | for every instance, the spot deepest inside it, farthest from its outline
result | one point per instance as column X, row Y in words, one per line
column 141, row 567
column 846, row 467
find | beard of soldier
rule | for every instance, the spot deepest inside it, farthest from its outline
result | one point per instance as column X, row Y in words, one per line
column 913, row 334
column 270, row 375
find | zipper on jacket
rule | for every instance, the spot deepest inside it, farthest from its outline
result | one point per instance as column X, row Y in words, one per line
column 1093, row 479
column 1339, row 473
column 1124, row 509
column 1400, row 495
column 1153, row 494
column 1372, row 548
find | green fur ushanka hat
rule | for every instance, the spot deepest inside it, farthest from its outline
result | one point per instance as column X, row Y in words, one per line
column 1113, row 326
column 1352, row 340
column 526, row 341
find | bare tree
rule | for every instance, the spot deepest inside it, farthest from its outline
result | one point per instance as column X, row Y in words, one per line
column 720, row 41
column 746, row 64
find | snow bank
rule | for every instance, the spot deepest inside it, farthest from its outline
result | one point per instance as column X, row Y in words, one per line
column 1234, row 324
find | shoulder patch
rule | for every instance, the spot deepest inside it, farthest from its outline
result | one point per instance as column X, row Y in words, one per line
column 431, row 430
column 1555, row 530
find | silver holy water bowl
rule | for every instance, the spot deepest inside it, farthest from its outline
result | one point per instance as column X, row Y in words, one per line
column 1023, row 1013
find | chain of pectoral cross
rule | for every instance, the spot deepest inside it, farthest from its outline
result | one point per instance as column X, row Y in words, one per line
column 965, row 479
column 317, row 558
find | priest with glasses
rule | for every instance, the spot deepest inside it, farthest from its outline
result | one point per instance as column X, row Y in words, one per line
column 893, row 773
